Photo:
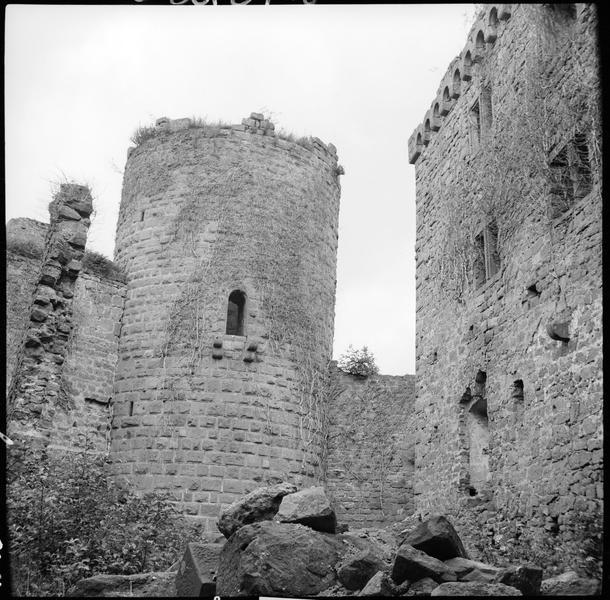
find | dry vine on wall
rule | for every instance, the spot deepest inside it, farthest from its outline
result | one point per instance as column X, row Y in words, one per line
column 513, row 169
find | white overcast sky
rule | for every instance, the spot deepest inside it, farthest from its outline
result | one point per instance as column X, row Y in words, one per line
column 80, row 79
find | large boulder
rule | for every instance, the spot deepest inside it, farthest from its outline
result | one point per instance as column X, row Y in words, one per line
column 570, row 584
column 356, row 570
column 526, row 578
column 379, row 585
column 436, row 537
column 279, row 559
column 308, row 507
column 196, row 574
column 150, row 585
column 261, row 504
column 475, row 588
column 472, row 570
column 413, row 564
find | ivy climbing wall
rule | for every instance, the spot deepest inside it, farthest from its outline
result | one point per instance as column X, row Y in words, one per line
column 509, row 275
column 207, row 211
column 370, row 455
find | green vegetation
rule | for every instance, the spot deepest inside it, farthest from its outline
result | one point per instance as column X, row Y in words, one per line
column 97, row 264
column 358, row 362
column 66, row 522
column 141, row 134
column 212, row 129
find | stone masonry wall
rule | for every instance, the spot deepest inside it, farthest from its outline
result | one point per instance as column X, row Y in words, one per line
column 207, row 211
column 35, row 395
column 87, row 373
column 509, row 279
column 371, row 454
column 24, row 249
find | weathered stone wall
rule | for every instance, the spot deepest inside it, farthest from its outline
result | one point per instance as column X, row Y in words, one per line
column 24, row 249
column 207, row 211
column 370, row 456
column 87, row 373
column 35, row 394
column 509, row 287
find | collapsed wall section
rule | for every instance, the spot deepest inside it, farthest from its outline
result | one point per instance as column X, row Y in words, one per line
column 83, row 406
column 509, row 302
column 228, row 237
column 371, row 455
column 24, row 248
column 35, row 393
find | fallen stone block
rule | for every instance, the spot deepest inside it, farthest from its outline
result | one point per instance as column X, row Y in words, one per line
column 413, row 564
column 475, row 588
column 259, row 505
column 356, row 570
column 464, row 566
column 478, row 575
column 570, row 584
column 196, row 574
column 279, row 559
column 151, row 585
column 309, row 507
column 379, row 585
column 526, row 578
column 436, row 537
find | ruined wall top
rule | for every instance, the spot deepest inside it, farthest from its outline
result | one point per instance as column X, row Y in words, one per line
column 255, row 124
column 487, row 29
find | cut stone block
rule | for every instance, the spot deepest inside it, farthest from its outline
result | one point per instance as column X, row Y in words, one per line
column 196, row 574
column 413, row 564
column 308, row 507
column 259, row 505
column 475, row 588
column 436, row 537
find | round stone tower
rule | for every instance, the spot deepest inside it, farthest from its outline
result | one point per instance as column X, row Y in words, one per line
column 228, row 237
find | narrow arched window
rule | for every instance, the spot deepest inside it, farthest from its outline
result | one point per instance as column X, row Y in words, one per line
column 480, row 41
column 467, row 66
column 236, row 310
column 427, row 131
column 457, row 80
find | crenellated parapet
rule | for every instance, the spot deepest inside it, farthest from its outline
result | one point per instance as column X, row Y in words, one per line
column 483, row 35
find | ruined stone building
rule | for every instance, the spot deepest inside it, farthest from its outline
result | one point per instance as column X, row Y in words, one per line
column 200, row 358
column 508, row 412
